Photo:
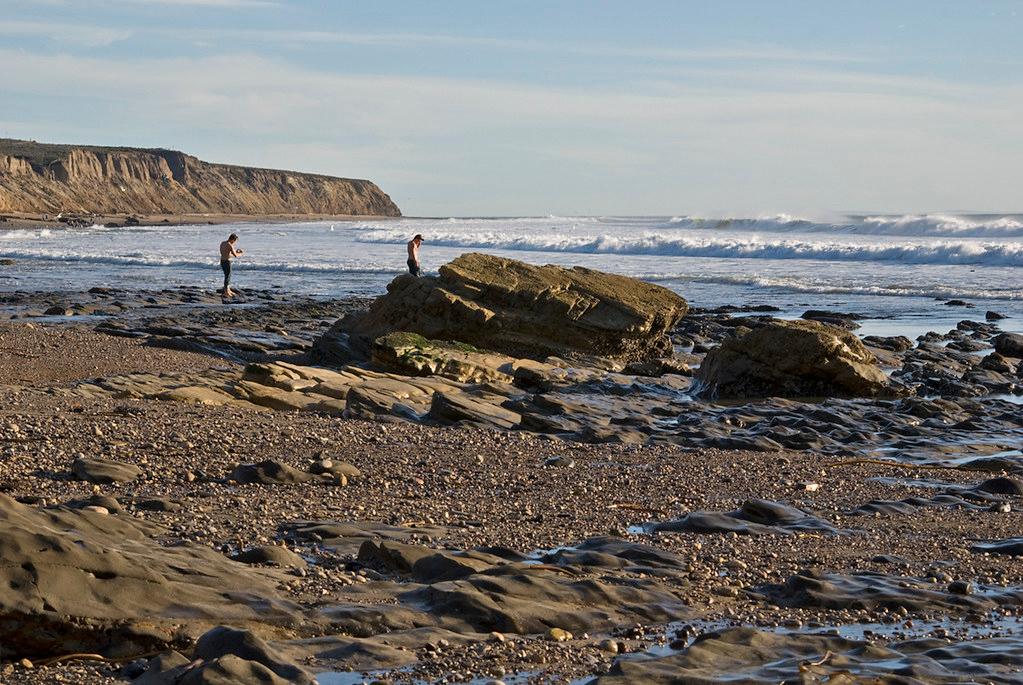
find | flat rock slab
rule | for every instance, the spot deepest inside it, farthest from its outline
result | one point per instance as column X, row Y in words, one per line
column 501, row 590
column 77, row 581
column 868, row 590
column 755, row 517
column 104, row 471
column 1009, row 546
column 747, row 655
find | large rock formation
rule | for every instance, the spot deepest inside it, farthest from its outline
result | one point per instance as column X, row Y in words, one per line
column 518, row 309
column 37, row 178
column 792, row 359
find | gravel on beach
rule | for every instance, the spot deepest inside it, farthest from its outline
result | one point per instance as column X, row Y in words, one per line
column 469, row 487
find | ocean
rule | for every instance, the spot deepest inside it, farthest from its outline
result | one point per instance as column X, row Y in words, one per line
column 897, row 270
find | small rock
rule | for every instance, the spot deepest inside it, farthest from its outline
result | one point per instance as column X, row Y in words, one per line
column 558, row 635
column 559, row 460
column 960, row 587
column 105, row 471
column 270, row 555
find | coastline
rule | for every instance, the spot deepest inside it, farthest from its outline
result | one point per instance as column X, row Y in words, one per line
column 20, row 221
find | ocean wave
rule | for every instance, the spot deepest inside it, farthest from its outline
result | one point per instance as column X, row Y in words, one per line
column 138, row 259
column 937, row 252
column 907, row 225
column 809, row 286
column 24, row 234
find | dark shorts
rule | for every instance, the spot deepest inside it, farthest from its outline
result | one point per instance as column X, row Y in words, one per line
column 225, row 266
column 413, row 268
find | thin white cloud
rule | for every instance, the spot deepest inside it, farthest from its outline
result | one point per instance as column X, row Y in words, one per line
column 743, row 53
column 66, row 34
column 776, row 145
column 204, row 3
column 92, row 35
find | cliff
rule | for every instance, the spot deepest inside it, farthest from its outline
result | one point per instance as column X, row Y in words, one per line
column 39, row 178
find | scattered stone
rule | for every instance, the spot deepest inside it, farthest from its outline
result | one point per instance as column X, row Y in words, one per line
column 104, row 471
column 270, row 555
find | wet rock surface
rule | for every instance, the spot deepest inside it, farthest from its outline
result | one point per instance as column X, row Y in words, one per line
column 872, row 591
column 754, row 656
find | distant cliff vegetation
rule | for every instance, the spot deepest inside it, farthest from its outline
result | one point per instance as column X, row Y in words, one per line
column 41, row 178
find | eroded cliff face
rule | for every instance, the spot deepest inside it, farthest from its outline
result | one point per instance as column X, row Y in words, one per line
column 39, row 178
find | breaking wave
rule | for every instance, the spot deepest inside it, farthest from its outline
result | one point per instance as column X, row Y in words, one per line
column 662, row 244
column 907, row 225
column 138, row 259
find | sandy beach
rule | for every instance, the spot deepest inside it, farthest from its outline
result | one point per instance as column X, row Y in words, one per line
column 431, row 549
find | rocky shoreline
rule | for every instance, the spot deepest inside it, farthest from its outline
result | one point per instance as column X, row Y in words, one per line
column 411, row 508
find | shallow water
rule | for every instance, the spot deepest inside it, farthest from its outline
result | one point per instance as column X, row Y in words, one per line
column 891, row 269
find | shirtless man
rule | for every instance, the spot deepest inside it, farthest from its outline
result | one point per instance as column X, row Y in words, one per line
column 227, row 252
column 413, row 255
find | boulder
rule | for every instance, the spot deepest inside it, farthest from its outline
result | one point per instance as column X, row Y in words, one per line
column 996, row 362
column 792, row 359
column 518, row 309
column 1009, row 344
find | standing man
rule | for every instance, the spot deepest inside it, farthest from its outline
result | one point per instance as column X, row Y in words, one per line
column 228, row 252
column 413, row 255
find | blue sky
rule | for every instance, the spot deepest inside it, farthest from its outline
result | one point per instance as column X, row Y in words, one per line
column 502, row 108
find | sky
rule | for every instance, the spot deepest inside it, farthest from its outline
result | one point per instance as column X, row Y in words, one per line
column 479, row 108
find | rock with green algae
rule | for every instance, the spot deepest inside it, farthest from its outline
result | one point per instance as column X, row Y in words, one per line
column 412, row 354
column 518, row 309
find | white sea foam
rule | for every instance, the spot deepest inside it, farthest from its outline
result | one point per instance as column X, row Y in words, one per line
column 811, row 286
column 909, row 225
column 141, row 260
column 24, row 234
column 753, row 247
